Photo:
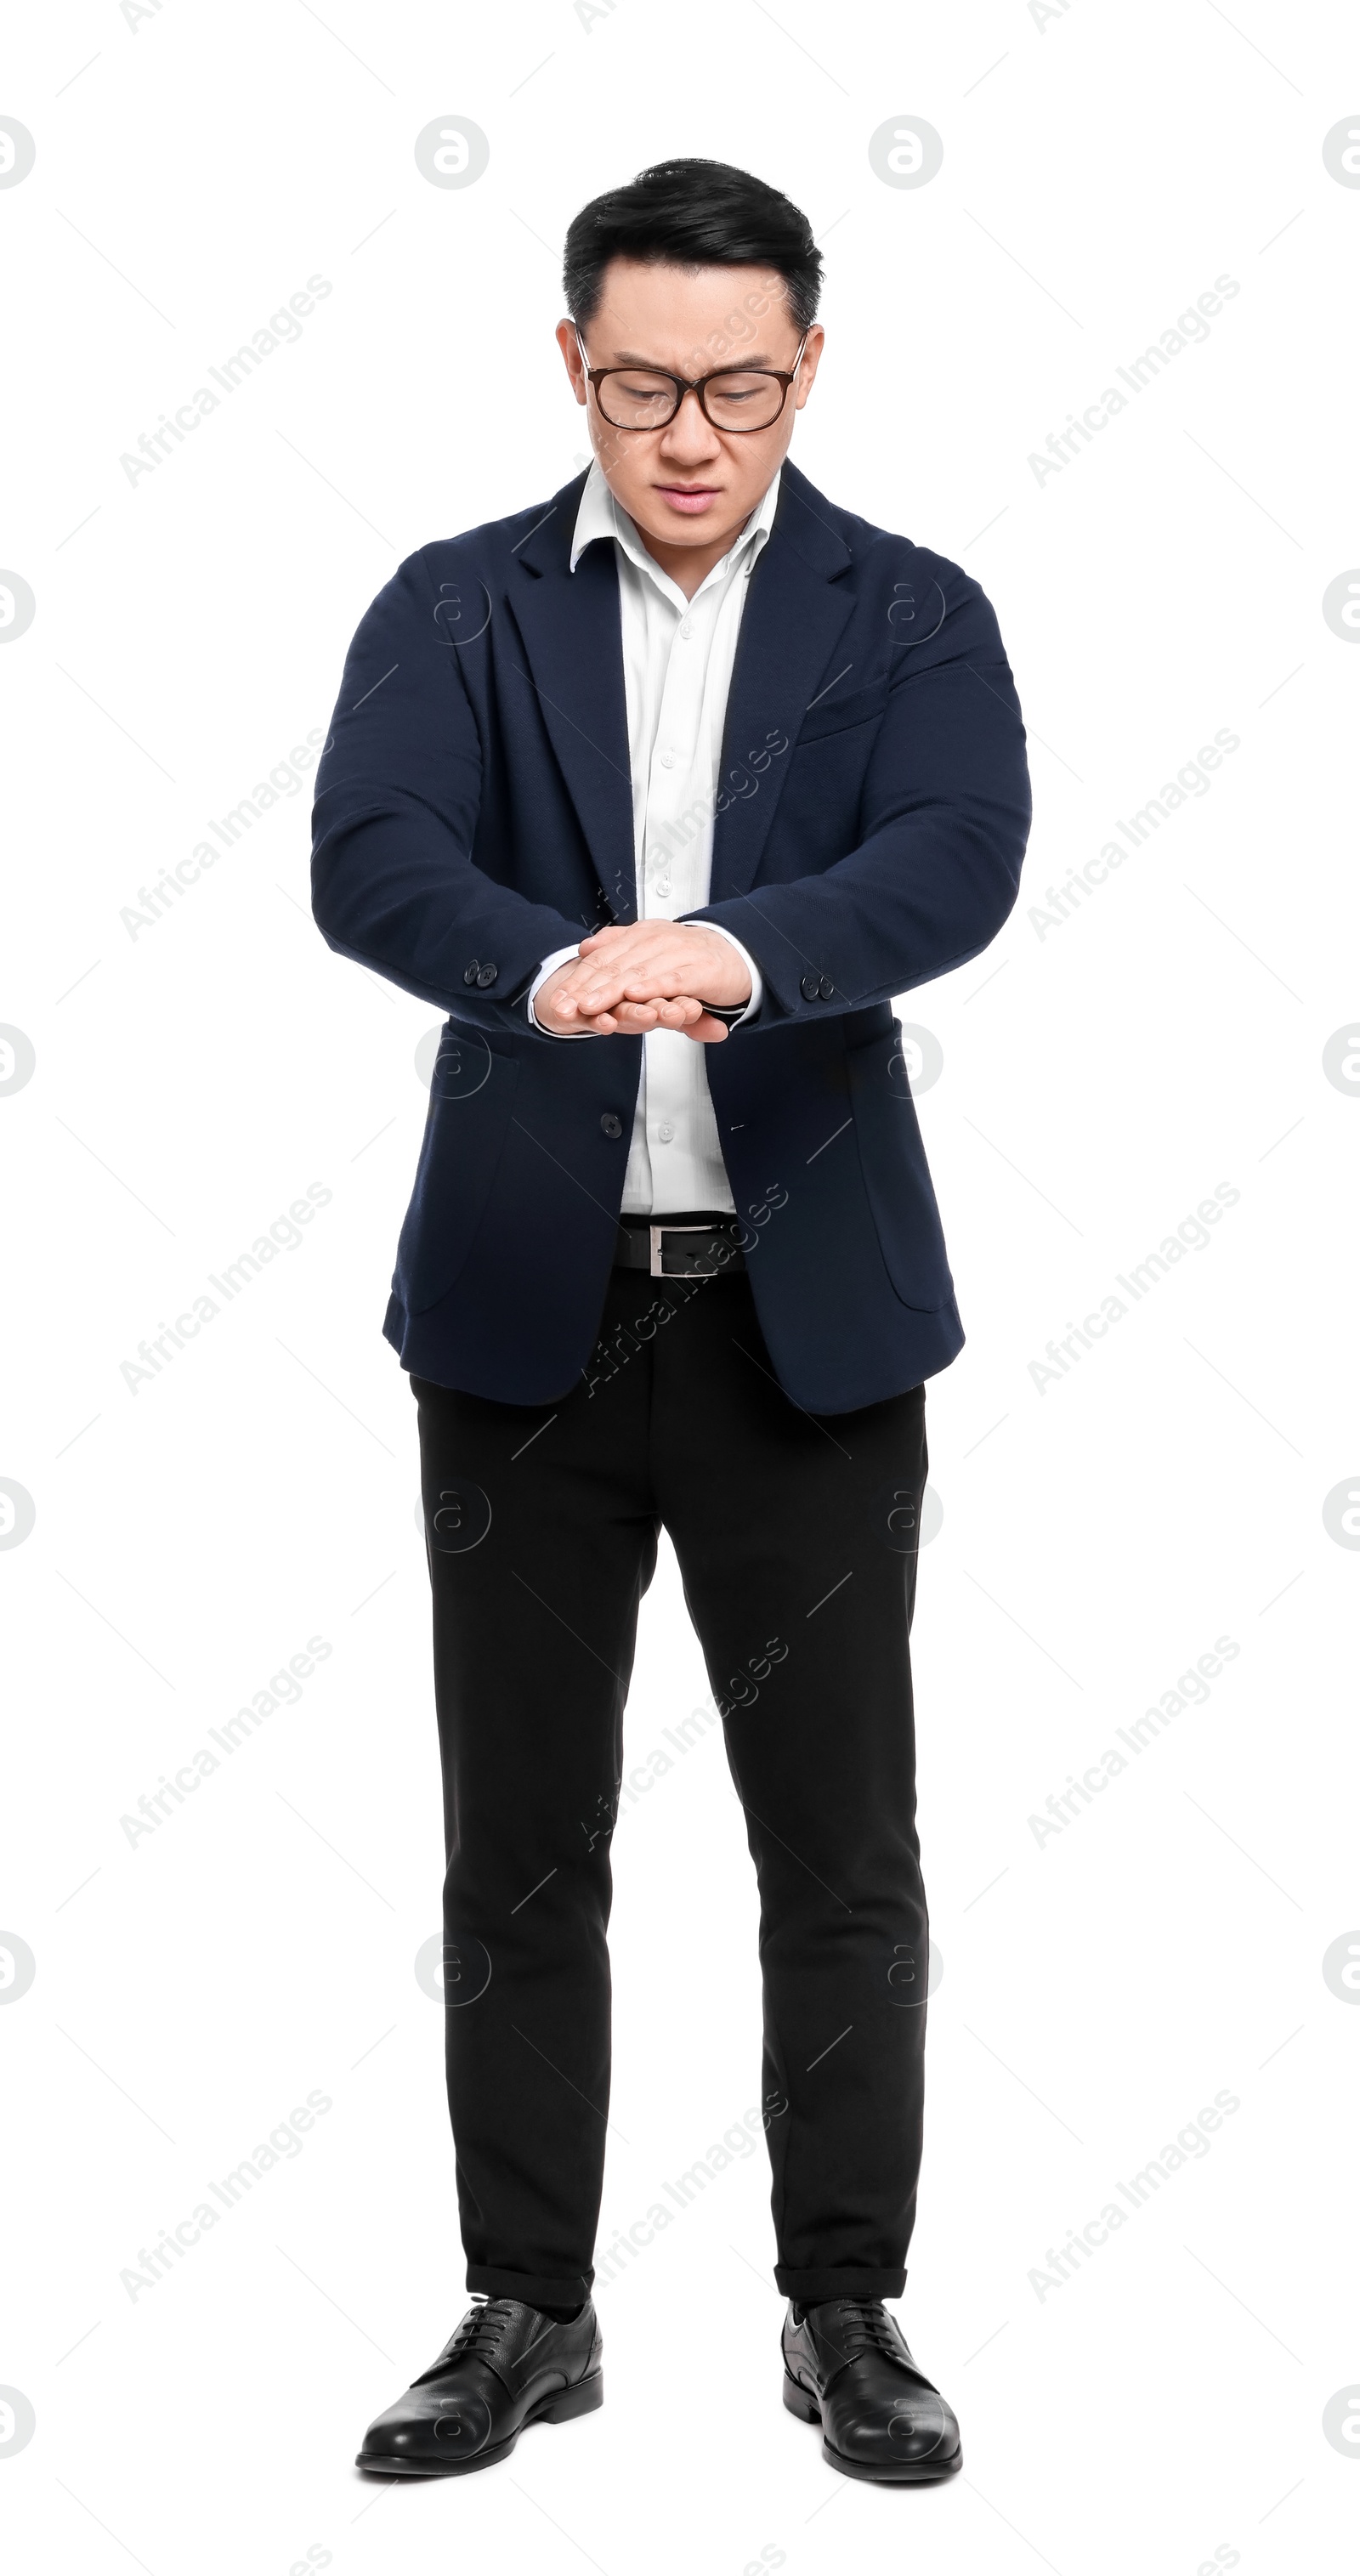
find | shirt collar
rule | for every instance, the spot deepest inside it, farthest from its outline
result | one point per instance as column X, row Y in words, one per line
column 599, row 515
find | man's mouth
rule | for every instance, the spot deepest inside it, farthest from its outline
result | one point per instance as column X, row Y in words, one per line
column 690, row 498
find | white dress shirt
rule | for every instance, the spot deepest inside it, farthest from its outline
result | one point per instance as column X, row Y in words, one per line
column 678, row 655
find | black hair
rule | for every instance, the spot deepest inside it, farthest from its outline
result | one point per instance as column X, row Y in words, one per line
column 692, row 214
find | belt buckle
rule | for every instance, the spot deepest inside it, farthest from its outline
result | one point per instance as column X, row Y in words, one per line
column 656, row 1232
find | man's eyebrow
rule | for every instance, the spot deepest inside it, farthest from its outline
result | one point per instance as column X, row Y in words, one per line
column 632, row 358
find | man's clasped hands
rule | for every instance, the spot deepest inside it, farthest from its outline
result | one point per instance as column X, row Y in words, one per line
column 644, row 975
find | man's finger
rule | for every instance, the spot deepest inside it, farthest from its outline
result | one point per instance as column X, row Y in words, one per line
column 634, row 1018
column 640, row 981
column 607, row 996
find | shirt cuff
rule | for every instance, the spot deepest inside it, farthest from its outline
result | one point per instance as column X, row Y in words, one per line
column 549, row 967
column 757, row 986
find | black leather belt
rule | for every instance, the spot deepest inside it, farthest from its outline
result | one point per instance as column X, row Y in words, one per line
column 679, row 1247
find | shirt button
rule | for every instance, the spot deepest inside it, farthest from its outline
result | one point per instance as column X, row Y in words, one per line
column 610, row 1125
column 686, row 631
column 668, row 760
column 665, row 1135
column 663, row 885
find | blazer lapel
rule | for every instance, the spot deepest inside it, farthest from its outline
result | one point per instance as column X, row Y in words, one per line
column 796, row 608
column 573, row 660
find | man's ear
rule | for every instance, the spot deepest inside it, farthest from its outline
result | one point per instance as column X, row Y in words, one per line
column 816, row 342
column 570, row 347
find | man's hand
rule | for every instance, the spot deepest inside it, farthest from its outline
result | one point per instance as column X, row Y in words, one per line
column 646, row 975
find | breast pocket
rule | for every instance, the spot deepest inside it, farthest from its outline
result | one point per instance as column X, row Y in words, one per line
column 840, row 711
column 471, row 1096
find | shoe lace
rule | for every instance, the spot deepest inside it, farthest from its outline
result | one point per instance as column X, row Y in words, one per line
column 861, row 2326
column 480, row 2332
column 484, row 2325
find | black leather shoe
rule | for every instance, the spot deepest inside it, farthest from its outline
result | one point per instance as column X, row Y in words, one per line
column 505, row 2366
column 847, row 2368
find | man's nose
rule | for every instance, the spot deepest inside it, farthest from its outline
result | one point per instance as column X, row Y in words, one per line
column 690, row 433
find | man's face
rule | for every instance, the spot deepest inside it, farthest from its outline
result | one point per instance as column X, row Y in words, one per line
column 689, row 484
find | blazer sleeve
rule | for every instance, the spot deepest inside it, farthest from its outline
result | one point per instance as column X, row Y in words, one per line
column 397, row 794
column 945, row 815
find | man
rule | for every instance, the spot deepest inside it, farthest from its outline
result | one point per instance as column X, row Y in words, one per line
column 662, row 790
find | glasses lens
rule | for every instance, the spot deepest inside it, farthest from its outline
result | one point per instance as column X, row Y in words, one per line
column 744, row 401
column 632, row 398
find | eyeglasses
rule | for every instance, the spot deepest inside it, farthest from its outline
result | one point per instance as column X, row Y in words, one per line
column 735, row 399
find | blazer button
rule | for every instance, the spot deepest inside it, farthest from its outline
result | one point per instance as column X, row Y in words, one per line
column 811, row 988
column 471, row 973
column 610, row 1125
column 826, row 988
column 487, row 975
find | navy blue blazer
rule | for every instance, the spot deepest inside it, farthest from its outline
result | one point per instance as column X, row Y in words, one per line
column 474, row 811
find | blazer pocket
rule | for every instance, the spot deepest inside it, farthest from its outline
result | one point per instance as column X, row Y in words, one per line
column 896, row 1175
column 469, row 1116
column 839, row 712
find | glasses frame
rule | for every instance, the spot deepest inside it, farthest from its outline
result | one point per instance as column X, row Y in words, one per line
column 782, row 376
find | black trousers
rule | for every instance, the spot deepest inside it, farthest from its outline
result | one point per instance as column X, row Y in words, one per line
column 796, row 1538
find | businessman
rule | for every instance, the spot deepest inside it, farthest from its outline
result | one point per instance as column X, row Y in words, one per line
column 661, row 789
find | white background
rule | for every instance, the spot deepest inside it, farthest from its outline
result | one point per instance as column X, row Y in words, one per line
column 1100, row 170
